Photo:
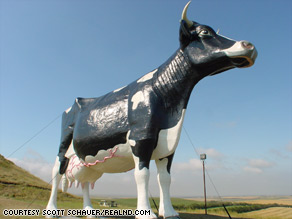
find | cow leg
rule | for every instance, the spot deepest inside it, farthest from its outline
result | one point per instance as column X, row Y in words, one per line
column 163, row 175
column 86, row 198
column 142, row 151
column 56, row 178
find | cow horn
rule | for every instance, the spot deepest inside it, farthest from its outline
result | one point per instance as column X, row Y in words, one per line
column 184, row 15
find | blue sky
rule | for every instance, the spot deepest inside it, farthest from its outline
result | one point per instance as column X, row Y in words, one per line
column 54, row 51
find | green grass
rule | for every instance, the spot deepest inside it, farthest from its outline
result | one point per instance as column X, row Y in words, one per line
column 18, row 184
column 10, row 173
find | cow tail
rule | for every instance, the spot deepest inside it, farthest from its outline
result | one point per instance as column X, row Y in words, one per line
column 68, row 122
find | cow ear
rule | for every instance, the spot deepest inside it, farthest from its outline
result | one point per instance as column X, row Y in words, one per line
column 184, row 34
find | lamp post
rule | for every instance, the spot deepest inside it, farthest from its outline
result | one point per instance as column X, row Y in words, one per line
column 203, row 157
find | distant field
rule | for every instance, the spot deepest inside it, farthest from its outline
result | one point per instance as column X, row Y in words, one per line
column 281, row 200
column 273, row 212
column 270, row 213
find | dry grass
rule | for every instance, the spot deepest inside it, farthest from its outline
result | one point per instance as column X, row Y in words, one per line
column 10, row 173
column 280, row 201
column 7, row 203
column 271, row 213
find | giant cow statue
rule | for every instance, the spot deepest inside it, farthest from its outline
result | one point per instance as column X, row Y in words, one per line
column 131, row 126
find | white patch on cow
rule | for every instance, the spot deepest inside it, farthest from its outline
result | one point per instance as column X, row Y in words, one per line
column 137, row 98
column 68, row 110
column 79, row 173
column 147, row 76
column 86, row 199
column 64, row 183
column 165, row 207
column 114, row 160
column 142, row 182
column 56, row 177
column 242, row 49
column 168, row 140
column 118, row 89
column 235, row 50
column 132, row 142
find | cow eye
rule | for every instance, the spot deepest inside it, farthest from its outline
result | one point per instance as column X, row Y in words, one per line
column 205, row 32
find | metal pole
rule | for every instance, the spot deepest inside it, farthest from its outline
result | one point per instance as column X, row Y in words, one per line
column 227, row 211
column 204, row 187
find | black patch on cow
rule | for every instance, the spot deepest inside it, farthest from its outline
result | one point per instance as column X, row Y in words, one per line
column 94, row 145
column 64, row 161
column 101, row 123
column 169, row 162
column 143, row 150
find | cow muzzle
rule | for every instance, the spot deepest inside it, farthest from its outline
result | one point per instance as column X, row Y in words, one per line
column 242, row 54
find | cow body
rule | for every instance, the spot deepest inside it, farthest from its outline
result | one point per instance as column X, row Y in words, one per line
column 130, row 126
column 103, row 123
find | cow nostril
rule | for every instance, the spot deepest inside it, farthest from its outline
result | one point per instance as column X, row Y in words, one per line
column 247, row 45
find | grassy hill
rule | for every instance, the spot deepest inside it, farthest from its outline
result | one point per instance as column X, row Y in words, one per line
column 12, row 174
column 17, row 183
column 22, row 190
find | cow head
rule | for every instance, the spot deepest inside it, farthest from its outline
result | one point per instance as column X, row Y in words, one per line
column 210, row 52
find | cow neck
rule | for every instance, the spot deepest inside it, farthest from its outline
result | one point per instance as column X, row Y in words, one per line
column 175, row 80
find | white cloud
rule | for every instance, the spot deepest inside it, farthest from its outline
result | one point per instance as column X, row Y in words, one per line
column 191, row 165
column 281, row 152
column 252, row 169
column 257, row 165
column 211, row 152
column 214, row 162
column 289, row 146
column 34, row 163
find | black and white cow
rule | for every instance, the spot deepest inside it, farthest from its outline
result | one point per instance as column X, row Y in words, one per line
column 131, row 126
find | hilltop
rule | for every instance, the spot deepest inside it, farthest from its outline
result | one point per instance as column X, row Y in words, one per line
column 17, row 183
column 12, row 174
